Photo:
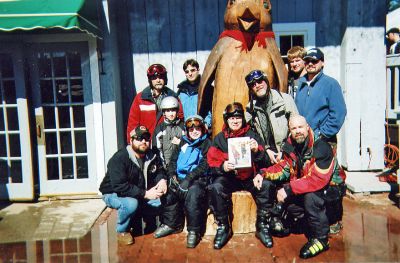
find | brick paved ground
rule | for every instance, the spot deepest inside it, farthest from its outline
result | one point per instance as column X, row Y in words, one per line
column 371, row 234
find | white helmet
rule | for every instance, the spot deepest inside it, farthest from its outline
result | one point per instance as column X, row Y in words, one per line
column 169, row 102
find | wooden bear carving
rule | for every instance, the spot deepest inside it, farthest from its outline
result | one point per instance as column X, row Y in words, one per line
column 247, row 43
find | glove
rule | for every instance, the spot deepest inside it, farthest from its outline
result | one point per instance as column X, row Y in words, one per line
column 173, row 185
column 185, row 184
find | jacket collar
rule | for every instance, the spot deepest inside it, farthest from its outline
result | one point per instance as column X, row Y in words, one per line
column 233, row 134
column 303, row 80
column 146, row 93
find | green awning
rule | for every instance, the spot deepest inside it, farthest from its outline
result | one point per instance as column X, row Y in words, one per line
column 47, row 14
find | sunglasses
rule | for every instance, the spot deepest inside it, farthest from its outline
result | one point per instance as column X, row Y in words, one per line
column 312, row 61
column 145, row 137
column 195, row 128
column 192, row 122
column 191, row 71
column 256, row 76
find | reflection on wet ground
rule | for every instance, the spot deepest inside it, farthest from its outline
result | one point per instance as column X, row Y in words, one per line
column 371, row 233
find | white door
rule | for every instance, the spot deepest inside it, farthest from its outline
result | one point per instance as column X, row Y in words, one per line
column 63, row 108
column 16, row 175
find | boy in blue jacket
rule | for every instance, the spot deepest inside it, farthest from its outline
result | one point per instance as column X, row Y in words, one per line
column 186, row 193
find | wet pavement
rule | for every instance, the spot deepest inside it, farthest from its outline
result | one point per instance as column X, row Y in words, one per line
column 371, row 234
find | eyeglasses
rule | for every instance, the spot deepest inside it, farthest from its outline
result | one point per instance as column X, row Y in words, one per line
column 156, row 70
column 145, row 137
column 193, row 122
column 193, row 70
column 312, row 61
column 256, row 76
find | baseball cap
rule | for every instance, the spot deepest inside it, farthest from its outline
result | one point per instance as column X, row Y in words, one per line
column 139, row 132
column 314, row 54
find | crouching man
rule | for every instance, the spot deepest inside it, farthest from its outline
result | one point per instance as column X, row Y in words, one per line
column 310, row 170
column 126, row 184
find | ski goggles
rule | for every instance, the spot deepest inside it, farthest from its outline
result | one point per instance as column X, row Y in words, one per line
column 234, row 110
column 193, row 122
column 255, row 76
column 156, row 70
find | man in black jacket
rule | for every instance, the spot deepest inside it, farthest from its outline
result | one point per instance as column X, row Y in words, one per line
column 125, row 183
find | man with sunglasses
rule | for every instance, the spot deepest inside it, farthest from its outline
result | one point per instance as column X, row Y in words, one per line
column 188, row 91
column 187, row 175
column 268, row 112
column 146, row 107
column 126, row 185
column 320, row 100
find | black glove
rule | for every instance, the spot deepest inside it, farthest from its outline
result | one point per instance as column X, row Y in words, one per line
column 173, row 185
column 185, row 184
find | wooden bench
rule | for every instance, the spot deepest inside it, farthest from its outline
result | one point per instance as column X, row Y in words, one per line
column 244, row 215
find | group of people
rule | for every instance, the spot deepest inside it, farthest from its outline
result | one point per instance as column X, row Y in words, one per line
column 294, row 176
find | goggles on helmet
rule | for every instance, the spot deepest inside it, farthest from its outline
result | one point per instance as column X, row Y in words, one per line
column 156, row 70
column 193, row 122
column 253, row 77
column 234, row 110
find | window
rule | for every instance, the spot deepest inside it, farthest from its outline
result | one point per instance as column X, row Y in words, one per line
column 288, row 35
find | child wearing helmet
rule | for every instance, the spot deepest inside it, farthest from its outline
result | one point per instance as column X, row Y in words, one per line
column 187, row 176
column 167, row 134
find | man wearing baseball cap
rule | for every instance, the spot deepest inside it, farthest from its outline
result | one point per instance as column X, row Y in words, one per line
column 393, row 36
column 125, row 184
column 320, row 100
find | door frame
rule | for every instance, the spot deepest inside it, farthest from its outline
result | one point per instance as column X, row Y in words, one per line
column 95, row 107
column 25, row 190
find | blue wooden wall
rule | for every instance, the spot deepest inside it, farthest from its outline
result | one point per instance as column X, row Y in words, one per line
column 170, row 31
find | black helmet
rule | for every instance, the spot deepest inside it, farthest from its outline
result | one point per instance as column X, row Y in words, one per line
column 234, row 110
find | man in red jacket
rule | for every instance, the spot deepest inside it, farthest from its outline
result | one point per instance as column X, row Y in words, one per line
column 145, row 109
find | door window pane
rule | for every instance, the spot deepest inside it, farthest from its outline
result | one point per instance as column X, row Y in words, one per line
column 3, row 172
column 45, row 65
column 51, row 143
column 66, row 143
column 1, row 120
column 6, row 64
column 79, row 116
column 298, row 40
column 74, row 59
column 49, row 118
column 12, row 119
column 80, row 141
column 76, row 90
column 52, row 169
column 46, row 90
column 63, row 117
column 60, row 64
column 67, row 168
column 3, row 146
column 15, row 147
column 16, row 172
column 9, row 92
column 62, row 91
column 82, row 167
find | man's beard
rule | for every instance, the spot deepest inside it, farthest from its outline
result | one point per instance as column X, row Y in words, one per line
column 141, row 149
column 300, row 139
